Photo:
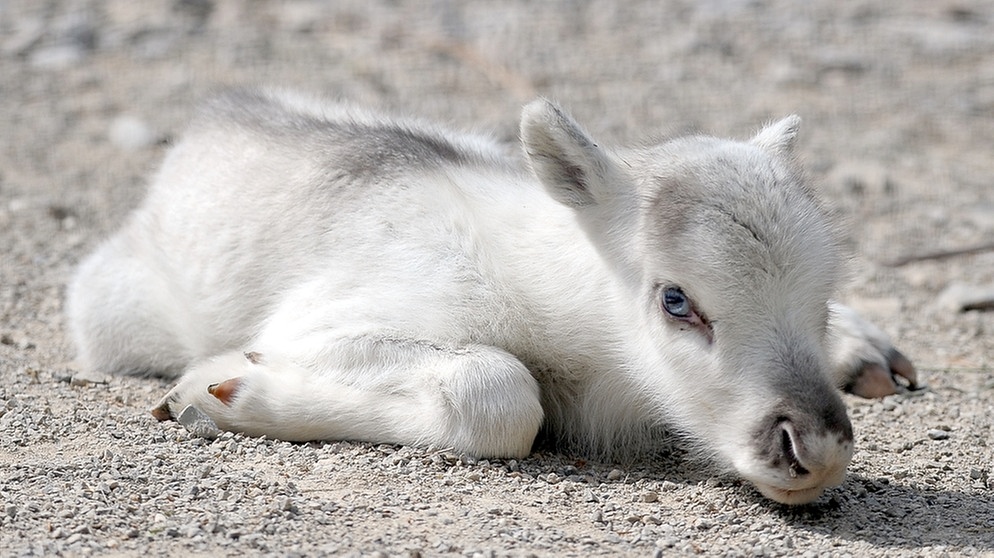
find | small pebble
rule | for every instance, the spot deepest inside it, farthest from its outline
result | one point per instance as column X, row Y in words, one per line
column 131, row 134
column 286, row 504
column 937, row 434
column 665, row 543
column 197, row 423
column 615, row 474
column 57, row 57
column 26, row 33
column 85, row 378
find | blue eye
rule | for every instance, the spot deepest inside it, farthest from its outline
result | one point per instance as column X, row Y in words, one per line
column 675, row 303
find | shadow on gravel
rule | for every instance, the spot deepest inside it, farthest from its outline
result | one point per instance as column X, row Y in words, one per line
column 899, row 516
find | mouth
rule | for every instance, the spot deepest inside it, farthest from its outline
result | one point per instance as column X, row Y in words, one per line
column 794, row 465
column 790, row 497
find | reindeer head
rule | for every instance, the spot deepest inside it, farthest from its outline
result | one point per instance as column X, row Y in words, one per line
column 728, row 262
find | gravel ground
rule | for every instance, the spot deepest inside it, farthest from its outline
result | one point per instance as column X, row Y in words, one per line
column 898, row 108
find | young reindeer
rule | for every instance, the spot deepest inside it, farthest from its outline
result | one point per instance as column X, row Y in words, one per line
column 316, row 272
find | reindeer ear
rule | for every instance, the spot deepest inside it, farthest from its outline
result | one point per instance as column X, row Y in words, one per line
column 779, row 137
column 564, row 158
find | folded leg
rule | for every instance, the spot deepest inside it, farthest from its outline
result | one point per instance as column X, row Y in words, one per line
column 377, row 388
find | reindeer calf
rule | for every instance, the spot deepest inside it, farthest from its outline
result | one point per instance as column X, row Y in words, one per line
column 316, row 272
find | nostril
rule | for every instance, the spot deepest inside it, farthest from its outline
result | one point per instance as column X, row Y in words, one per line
column 788, row 449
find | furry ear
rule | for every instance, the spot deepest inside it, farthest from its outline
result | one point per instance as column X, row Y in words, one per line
column 564, row 158
column 779, row 137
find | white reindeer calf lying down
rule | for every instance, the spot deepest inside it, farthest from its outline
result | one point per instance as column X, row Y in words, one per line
column 316, row 272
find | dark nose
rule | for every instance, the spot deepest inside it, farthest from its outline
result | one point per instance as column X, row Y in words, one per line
column 793, row 436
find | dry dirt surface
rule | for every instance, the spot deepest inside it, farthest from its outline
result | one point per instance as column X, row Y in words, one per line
column 898, row 107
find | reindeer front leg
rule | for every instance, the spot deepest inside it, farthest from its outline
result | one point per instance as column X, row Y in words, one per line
column 476, row 399
column 864, row 360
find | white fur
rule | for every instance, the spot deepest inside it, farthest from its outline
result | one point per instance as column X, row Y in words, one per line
column 411, row 285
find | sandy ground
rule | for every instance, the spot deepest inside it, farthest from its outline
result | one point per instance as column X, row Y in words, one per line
column 898, row 108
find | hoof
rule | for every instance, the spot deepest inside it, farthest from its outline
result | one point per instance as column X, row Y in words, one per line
column 901, row 366
column 226, row 390
column 161, row 411
column 875, row 381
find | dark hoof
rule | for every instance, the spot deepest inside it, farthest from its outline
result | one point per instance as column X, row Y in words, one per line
column 161, row 411
column 874, row 381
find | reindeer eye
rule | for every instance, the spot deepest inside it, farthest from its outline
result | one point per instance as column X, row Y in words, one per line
column 675, row 303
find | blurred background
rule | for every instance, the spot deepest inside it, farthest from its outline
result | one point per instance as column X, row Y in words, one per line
column 897, row 100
